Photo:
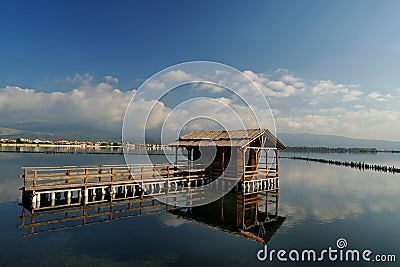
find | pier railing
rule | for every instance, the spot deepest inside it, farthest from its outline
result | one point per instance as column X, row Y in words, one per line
column 261, row 172
column 70, row 176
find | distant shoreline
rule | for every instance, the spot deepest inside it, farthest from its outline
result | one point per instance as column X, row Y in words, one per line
column 107, row 149
column 352, row 150
column 57, row 146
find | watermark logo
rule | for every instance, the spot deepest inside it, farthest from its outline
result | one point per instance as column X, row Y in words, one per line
column 341, row 243
column 339, row 253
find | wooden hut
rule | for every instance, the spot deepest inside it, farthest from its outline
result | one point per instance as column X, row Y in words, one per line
column 251, row 153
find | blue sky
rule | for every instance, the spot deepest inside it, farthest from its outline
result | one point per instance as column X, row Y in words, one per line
column 50, row 46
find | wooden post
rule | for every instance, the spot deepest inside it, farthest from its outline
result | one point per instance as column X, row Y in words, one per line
column 86, row 175
column 188, row 157
column 34, row 178
column 276, row 161
column 68, row 174
column 255, row 206
column 222, row 161
column 176, row 158
column 101, row 173
column 266, row 163
column 25, row 177
column 112, row 174
column 130, row 176
column 244, row 163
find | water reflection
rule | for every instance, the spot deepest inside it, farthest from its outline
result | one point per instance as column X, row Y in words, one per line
column 253, row 216
column 320, row 202
column 61, row 218
column 328, row 194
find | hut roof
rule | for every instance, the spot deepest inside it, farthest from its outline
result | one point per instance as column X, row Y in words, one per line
column 223, row 138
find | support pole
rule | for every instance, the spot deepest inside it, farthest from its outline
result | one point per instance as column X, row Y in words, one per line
column 34, row 178
column 25, row 177
column 176, row 158
column 244, row 164
column 276, row 162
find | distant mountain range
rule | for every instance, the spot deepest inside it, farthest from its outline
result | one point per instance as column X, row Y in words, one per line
column 58, row 131
column 314, row 140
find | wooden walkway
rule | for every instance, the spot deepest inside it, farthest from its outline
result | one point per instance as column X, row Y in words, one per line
column 51, row 184
column 39, row 178
column 42, row 183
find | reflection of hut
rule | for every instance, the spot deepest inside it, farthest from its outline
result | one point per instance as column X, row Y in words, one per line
column 253, row 152
column 244, row 215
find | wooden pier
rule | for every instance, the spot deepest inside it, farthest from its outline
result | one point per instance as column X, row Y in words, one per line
column 66, row 183
column 82, row 182
column 245, row 160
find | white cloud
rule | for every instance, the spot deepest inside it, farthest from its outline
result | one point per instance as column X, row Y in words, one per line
column 79, row 78
column 296, row 82
column 273, row 88
column 100, row 104
column 177, row 76
column 157, row 85
column 208, row 87
column 352, row 95
column 327, row 87
column 365, row 123
column 358, row 106
column 299, row 105
column 380, row 97
column 111, row 79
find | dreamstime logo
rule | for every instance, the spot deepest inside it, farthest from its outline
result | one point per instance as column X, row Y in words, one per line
column 340, row 253
column 341, row 243
column 185, row 98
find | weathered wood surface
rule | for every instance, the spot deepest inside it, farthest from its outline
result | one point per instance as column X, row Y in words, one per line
column 69, row 177
column 44, row 178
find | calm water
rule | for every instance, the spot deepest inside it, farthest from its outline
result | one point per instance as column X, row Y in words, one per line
column 321, row 203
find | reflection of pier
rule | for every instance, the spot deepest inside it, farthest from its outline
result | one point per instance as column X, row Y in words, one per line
column 253, row 216
column 70, row 216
